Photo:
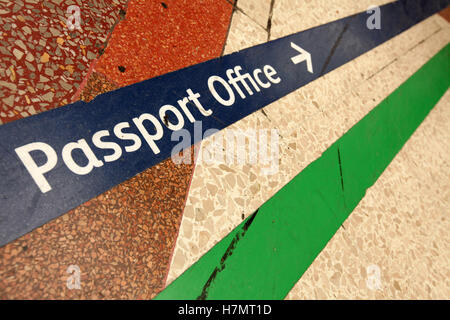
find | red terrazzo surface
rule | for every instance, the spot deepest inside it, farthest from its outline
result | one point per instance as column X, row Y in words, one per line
column 154, row 39
column 121, row 241
column 446, row 14
column 43, row 62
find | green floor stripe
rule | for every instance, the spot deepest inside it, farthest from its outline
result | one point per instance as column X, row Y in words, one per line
column 266, row 255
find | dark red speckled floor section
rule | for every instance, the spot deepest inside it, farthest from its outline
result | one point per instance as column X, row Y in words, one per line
column 43, row 62
column 176, row 34
column 445, row 14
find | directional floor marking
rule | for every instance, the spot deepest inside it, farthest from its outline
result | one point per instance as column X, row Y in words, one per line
column 303, row 56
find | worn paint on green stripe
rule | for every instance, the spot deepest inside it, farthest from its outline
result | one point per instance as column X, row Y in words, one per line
column 266, row 254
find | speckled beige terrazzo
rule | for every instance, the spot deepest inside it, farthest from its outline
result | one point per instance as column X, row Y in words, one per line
column 290, row 16
column 243, row 33
column 401, row 226
column 308, row 121
column 257, row 10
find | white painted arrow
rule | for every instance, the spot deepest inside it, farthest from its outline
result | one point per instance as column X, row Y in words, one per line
column 303, row 56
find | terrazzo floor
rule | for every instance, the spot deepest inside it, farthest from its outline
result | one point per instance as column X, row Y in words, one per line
column 135, row 239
